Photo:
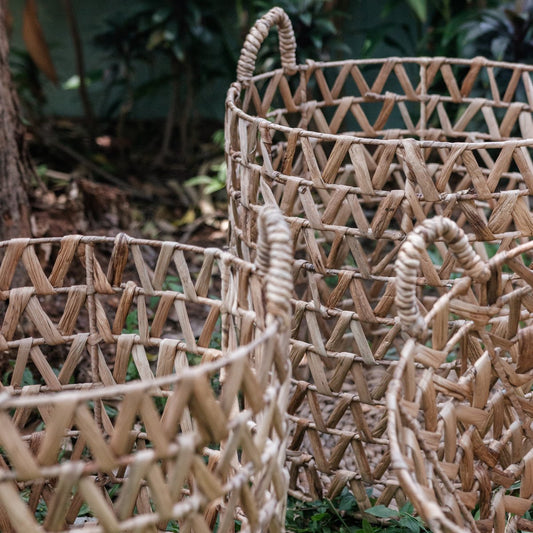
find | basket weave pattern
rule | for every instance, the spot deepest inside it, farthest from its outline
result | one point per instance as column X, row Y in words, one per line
column 461, row 150
column 356, row 154
column 197, row 438
column 460, row 416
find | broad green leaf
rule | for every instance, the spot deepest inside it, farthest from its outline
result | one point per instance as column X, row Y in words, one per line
column 214, row 187
column 306, row 18
column 72, row 83
column 198, row 180
column 410, row 523
column 420, row 8
column 381, row 512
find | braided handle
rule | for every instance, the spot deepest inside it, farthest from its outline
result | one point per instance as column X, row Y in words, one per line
column 256, row 36
column 408, row 264
column 274, row 262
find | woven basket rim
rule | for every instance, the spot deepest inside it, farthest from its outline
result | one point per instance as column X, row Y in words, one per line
column 128, row 239
column 218, row 253
column 100, row 391
column 234, row 91
column 418, row 60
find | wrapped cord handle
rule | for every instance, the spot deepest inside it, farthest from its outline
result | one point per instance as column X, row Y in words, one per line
column 274, row 262
column 408, row 264
column 256, row 36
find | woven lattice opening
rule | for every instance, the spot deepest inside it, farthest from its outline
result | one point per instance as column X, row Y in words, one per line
column 145, row 385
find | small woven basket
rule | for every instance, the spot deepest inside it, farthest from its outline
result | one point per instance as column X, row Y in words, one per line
column 460, row 403
column 145, row 385
column 356, row 153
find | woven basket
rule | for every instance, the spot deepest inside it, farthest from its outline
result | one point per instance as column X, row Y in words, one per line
column 460, row 404
column 355, row 153
column 177, row 421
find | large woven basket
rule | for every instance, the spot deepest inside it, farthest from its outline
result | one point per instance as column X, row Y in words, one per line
column 145, row 385
column 460, row 404
column 356, row 153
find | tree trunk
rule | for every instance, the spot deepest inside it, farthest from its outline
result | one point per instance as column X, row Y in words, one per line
column 15, row 164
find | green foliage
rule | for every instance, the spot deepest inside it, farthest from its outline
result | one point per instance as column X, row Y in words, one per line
column 172, row 283
column 210, row 183
column 191, row 47
column 382, row 512
column 327, row 516
column 399, row 521
column 203, row 39
column 189, row 42
column 213, row 173
column 316, row 516
column 131, row 322
column 502, row 33
column 437, row 27
column 315, row 24
column 420, row 8
column 186, row 30
column 27, row 376
column 42, row 509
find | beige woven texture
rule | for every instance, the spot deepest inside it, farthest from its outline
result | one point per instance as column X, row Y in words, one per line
column 356, row 153
column 178, row 421
column 460, row 403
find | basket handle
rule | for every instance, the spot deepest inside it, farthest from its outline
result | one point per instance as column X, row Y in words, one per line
column 256, row 36
column 408, row 264
column 274, row 262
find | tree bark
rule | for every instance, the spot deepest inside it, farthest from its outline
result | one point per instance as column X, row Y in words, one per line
column 15, row 165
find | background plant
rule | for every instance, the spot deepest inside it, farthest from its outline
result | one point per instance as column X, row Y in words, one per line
column 435, row 27
column 342, row 516
column 504, row 32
